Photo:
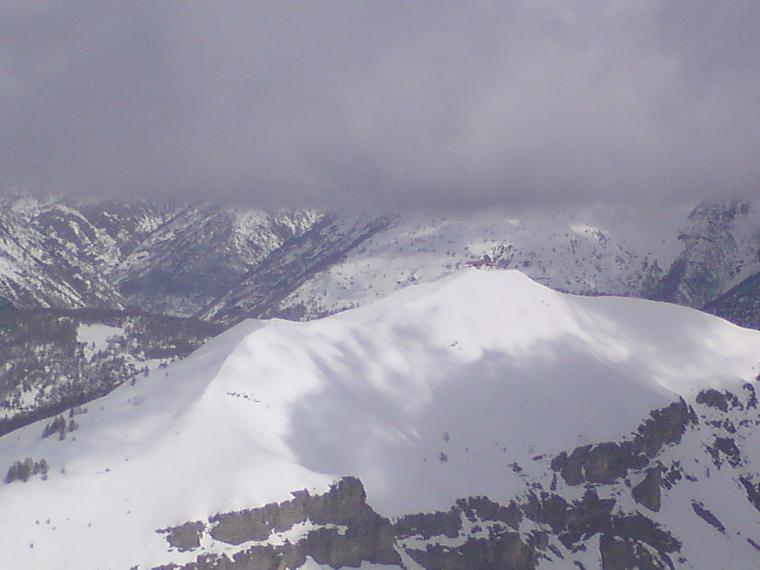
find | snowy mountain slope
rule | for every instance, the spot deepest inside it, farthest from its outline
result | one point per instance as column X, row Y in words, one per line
column 59, row 253
column 201, row 254
column 203, row 258
column 161, row 257
column 51, row 360
column 126, row 221
column 39, row 267
column 261, row 291
column 546, row 430
column 721, row 247
column 690, row 258
column 561, row 250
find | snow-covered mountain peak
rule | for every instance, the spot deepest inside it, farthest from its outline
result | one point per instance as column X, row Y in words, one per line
column 466, row 387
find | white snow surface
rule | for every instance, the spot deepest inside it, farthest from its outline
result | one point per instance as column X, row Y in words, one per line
column 560, row 249
column 502, row 365
column 97, row 335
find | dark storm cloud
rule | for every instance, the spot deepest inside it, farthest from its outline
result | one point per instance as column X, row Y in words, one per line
column 383, row 104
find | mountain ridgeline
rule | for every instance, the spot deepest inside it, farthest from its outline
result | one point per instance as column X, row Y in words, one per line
column 181, row 265
column 224, row 264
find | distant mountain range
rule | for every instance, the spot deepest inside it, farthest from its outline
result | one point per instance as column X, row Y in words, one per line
column 158, row 257
column 224, row 263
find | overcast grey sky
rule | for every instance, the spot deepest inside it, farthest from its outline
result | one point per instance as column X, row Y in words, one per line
column 382, row 103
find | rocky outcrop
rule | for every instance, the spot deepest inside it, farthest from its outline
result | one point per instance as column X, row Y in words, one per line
column 428, row 525
column 702, row 512
column 185, row 536
column 339, row 528
column 505, row 550
column 752, row 489
column 345, row 531
column 621, row 554
column 609, row 461
column 722, row 401
column 647, row 493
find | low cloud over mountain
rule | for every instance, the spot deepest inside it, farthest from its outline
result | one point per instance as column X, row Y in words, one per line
column 385, row 104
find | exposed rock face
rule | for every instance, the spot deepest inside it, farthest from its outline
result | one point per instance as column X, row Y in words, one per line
column 723, row 401
column 725, row 447
column 365, row 536
column 346, row 532
column 504, row 550
column 707, row 516
column 345, row 504
column 428, row 525
column 647, row 493
column 607, row 462
column 186, row 536
column 483, row 509
column 621, row 554
column 752, row 489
